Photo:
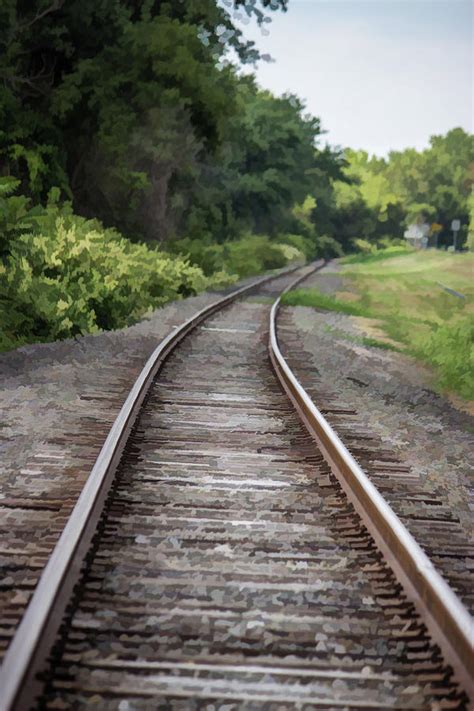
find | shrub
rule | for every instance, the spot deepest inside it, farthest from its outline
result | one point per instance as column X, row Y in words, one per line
column 303, row 244
column 62, row 275
column 252, row 254
column 450, row 350
column 72, row 276
column 16, row 216
column 206, row 255
column 364, row 247
column 328, row 247
column 291, row 253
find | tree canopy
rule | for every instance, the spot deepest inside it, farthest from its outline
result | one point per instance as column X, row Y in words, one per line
column 119, row 103
column 383, row 196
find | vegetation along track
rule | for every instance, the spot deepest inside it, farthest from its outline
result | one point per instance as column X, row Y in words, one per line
column 230, row 567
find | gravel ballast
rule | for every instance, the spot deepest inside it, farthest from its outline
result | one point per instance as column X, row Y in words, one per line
column 58, row 402
column 388, row 398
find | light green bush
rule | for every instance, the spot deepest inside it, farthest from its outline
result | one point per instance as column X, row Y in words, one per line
column 62, row 275
column 72, row 276
column 303, row 244
column 291, row 253
column 251, row 255
column 450, row 350
column 364, row 246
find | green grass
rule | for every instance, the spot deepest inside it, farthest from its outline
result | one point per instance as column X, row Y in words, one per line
column 401, row 291
column 318, row 300
column 376, row 343
column 435, row 327
column 379, row 255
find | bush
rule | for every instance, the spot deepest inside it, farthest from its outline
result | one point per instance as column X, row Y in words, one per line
column 206, row 255
column 245, row 257
column 71, row 276
column 450, row 350
column 327, row 247
column 62, row 275
column 16, row 216
column 364, row 247
column 304, row 245
column 251, row 255
column 291, row 254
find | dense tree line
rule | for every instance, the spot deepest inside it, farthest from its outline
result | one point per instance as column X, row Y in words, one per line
column 125, row 121
column 383, row 196
column 133, row 111
column 132, row 108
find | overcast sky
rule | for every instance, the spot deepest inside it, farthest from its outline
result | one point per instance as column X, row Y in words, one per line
column 381, row 74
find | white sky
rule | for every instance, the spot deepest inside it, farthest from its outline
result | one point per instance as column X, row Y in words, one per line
column 381, row 74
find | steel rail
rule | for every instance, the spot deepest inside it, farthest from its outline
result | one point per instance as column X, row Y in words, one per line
column 447, row 619
column 35, row 635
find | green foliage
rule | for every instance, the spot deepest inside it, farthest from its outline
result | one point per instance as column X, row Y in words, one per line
column 325, row 302
column 273, row 160
column 291, row 253
column 450, row 350
column 266, row 162
column 135, row 113
column 375, row 199
column 431, row 186
column 402, row 291
column 303, row 244
column 364, row 247
column 123, row 105
column 253, row 254
column 328, row 247
column 470, row 237
column 370, row 254
column 14, row 211
column 71, row 276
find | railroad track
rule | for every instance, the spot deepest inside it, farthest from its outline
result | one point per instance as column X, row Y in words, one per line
column 234, row 562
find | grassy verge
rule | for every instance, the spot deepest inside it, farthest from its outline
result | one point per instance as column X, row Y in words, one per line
column 376, row 256
column 326, row 302
column 403, row 293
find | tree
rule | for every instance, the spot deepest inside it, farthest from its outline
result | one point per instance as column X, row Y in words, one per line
column 381, row 197
column 116, row 101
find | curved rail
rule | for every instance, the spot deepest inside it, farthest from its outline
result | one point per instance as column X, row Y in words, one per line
column 36, row 633
column 447, row 619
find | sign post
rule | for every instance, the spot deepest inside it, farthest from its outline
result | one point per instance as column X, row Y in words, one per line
column 455, row 226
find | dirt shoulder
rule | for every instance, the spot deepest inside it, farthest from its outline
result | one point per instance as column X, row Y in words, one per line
column 413, row 443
